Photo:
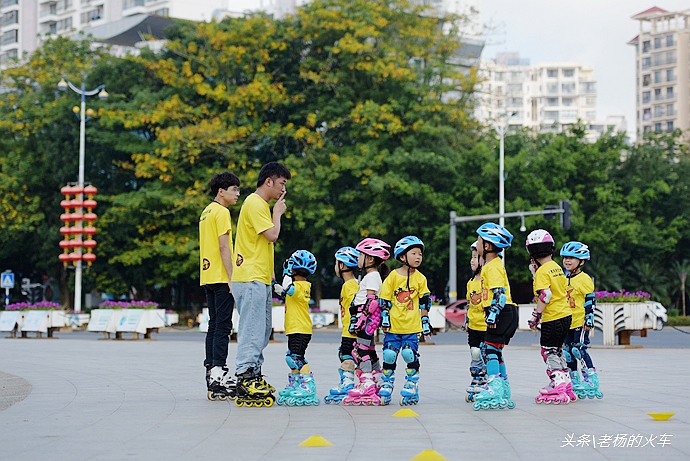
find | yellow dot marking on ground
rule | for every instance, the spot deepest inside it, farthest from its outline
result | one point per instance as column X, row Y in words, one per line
column 405, row 413
column 315, row 441
column 429, row 455
column 661, row 416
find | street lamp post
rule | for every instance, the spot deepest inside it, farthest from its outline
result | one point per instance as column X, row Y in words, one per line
column 502, row 128
column 83, row 116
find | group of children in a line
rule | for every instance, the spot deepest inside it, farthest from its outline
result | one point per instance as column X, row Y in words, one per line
column 399, row 302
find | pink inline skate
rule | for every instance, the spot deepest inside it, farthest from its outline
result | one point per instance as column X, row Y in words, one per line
column 556, row 391
column 364, row 393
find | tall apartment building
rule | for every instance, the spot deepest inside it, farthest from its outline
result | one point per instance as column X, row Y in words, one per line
column 662, row 68
column 24, row 23
column 547, row 97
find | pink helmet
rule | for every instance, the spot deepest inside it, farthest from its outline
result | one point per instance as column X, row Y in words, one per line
column 538, row 236
column 374, row 247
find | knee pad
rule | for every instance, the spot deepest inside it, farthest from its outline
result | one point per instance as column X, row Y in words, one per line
column 579, row 350
column 409, row 355
column 494, row 352
column 553, row 358
column 566, row 353
column 294, row 361
column 476, row 354
column 390, row 355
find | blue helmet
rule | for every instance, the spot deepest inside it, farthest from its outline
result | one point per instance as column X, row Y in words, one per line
column 347, row 256
column 405, row 244
column 303, row 259
column 575, row 250
column 498, row 235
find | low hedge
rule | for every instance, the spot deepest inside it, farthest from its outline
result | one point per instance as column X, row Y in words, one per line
column 679, row 321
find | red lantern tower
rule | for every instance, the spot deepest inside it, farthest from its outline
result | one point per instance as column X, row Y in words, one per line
column 72, row 234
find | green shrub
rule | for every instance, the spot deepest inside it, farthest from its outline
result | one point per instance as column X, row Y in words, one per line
column 673, row 312
column 679, row 321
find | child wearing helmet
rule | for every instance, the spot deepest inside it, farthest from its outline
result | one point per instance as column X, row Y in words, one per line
column 365, row 320
column 501, row 315
column 346, row 262
column 580, row 292
column 405, row 303
column 301, row 387
column 475, row 325
column 554, row 314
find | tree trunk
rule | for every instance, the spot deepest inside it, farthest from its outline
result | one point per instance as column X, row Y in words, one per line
column 66, row 294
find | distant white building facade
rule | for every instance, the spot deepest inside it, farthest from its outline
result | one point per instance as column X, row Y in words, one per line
column 546, row 97
column 662, row 71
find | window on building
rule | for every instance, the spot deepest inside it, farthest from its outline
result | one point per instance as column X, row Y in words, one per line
column 499, row 76
column 11, row 36
column 669, row 40
column 669, row 92
column 645, row 46
column 647, row 114
column 646, row 80
column 515, row 88
column 552, row 88
column 569, row 115
column 657, row 42
column 657, row 127
column 657, row 94
column 670, row 57
column 165, row 12
column 499, row 90
column 647, row 129
column 93, row 15
column 551, row 101
column 568, row 88
column 657, row 76
column 132, row 3
column 670, row 77
column 552, row 73
column 551, row 114
column 588, row 87
column 567, row 101
column 646, row 97
column 64, row 24
column 669, row 126
column 591, row 115
column 658, row 111
column 658, row 59
column 11, row 54
column 11, row 17
column 568, row 72
column 669, row 110
column 5, row 3
column 515, row 102
column 590, row 101
column 646, row 63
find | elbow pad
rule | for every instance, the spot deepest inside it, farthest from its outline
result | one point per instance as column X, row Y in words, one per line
column 545, row 295
column 425, row 302
column 288, row 286
column 590, row 303
column 500, row 298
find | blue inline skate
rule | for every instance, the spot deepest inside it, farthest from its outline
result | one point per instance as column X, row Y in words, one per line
column 506, row 393
column 387, row 382
column 492, row 395
column 477, row 384
column 410, row 392
column 338, row 393
column 304, row 393
column 293, row 382
column 590, row 384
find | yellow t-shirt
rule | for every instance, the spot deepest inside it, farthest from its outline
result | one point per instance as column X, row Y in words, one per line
column 475, row 311
column 347, row 295
column 579, row 286
column 493, row 276
column 550, row 275
column 297, row 319
column 405, row 314
column 214, row 222
column 253, row 251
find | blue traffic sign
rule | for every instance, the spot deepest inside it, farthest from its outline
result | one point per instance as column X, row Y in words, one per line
column 7, row 280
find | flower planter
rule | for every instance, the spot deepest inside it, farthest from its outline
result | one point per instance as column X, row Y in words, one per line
column 118, row 321
column 40, row 322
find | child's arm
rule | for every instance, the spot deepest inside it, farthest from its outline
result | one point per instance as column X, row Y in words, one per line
column 590, row 305
column 425, row 307
column 543, row 298
column 287, row 287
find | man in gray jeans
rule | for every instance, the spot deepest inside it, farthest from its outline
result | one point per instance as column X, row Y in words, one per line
column 257, row 230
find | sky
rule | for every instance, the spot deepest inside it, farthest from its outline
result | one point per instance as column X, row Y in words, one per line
column 589, row 32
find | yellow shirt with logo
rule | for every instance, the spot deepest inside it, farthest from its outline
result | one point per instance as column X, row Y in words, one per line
column 213, row 222
column 297, row 319
column 405, row 315
column 347, row 295
column 550, row 275
column 579, row 286
column 494, row 276
column 475, row 311
column 253, row 251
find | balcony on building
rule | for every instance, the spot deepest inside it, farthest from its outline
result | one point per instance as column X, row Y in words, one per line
column 588, row 88
column 130, row 7
column 9, row 4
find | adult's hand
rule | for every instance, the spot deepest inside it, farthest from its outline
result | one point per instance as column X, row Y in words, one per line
column 280, row 206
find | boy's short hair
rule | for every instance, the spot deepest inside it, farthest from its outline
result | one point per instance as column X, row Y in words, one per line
column 272, row 170
column 301, row 272
column 223, row 181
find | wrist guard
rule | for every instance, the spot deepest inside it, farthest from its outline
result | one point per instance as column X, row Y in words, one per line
column 426, row 326
column 535, row 320
column 385, row 312
column 589, row 320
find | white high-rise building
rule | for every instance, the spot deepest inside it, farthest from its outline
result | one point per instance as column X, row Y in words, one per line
column 662, row 68
column 546, row 97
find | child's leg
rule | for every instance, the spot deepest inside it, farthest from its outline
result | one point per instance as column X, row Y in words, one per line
column 571, row 355
column 410, row 354
column 391, row 348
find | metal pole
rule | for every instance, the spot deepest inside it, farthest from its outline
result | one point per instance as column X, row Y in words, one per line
column 501, row 185
column 452, row 261
column 7, row 297
column 82, row 137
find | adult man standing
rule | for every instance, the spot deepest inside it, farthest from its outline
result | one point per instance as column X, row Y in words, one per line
column 215, row 245
column 257, row 230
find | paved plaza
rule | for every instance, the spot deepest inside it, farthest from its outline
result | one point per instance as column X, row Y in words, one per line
column 82, row 398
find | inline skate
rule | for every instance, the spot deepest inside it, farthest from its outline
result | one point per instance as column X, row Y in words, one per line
column 251, row 391
column 364, row 393
column 338, row 393
column 507, row 393
column 491, row 395
column 283, row 394
column 556, row 391
column 304, row 392
column 410, row 392
column 477, row 384
column 220, row 384
column 387, row 383
column 590, row 384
